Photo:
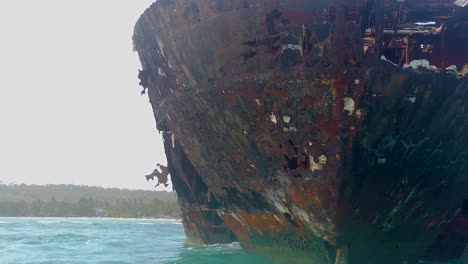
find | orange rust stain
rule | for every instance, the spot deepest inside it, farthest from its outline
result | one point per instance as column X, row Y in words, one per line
column 236, row 227
column 309, row 195
column 328, row 125
column 398, row 79
column 257, row 184
column 316, row 197
column 436, row 220
column 283, row 150
column 298, row 197
column 313, row 193
column 263, row 222
column 278, row 93
column 338, row 156
column 247, row 93
column 330, row 238
column 402, row 77
column 230, row 99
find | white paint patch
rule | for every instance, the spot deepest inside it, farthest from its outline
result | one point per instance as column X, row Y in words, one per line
column 278, row 198
column 348, row 105
column 161, row 72
column 286, row 119
column 358, row 113
column 357, row 81
column 273, row 118
column 172, row 140
column 293, row 47
column 385, row 59
column 428, row 23
column 258, row 101
column 238, row 219
column 382, row 161
column 310, row 143
column 277, row 219
column 452, row 68
column 322, row 160
column 412, row 99
column 280, row 206
column 342, row 255
column 160, row 44
column 416, row 64
column 303, row 215
column 461, row 3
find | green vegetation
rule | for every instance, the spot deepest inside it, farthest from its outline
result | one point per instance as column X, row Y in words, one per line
column 85, row 201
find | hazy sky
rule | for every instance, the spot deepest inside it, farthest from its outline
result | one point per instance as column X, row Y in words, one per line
column 70, row 105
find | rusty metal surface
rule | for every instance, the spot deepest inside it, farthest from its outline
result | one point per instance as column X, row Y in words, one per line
column 286, row 130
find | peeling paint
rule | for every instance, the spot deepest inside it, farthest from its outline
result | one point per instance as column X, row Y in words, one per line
column 416, row 64
column 348, row 105
column 273, row 118
column 293, row 47
column 317, row 166
column 358, row 113
column 289, row 129
column 161, row 72
column 323, row 159
column 452, row 68
column 160, row 44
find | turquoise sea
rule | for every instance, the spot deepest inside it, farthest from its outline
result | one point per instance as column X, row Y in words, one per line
column 107, row 241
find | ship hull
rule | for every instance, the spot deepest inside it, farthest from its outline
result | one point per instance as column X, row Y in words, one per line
column 284, row 133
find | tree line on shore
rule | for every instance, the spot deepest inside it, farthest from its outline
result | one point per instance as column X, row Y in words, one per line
column 84, row 201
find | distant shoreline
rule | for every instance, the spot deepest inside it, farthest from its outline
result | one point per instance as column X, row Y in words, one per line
column 82, row 201
column 99, row 218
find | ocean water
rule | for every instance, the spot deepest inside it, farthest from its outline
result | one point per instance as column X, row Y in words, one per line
column 108, row 241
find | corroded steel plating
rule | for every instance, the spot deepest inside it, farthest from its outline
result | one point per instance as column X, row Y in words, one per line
column 314, row 131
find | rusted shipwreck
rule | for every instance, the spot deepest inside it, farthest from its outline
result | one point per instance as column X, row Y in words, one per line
column 315, row 131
